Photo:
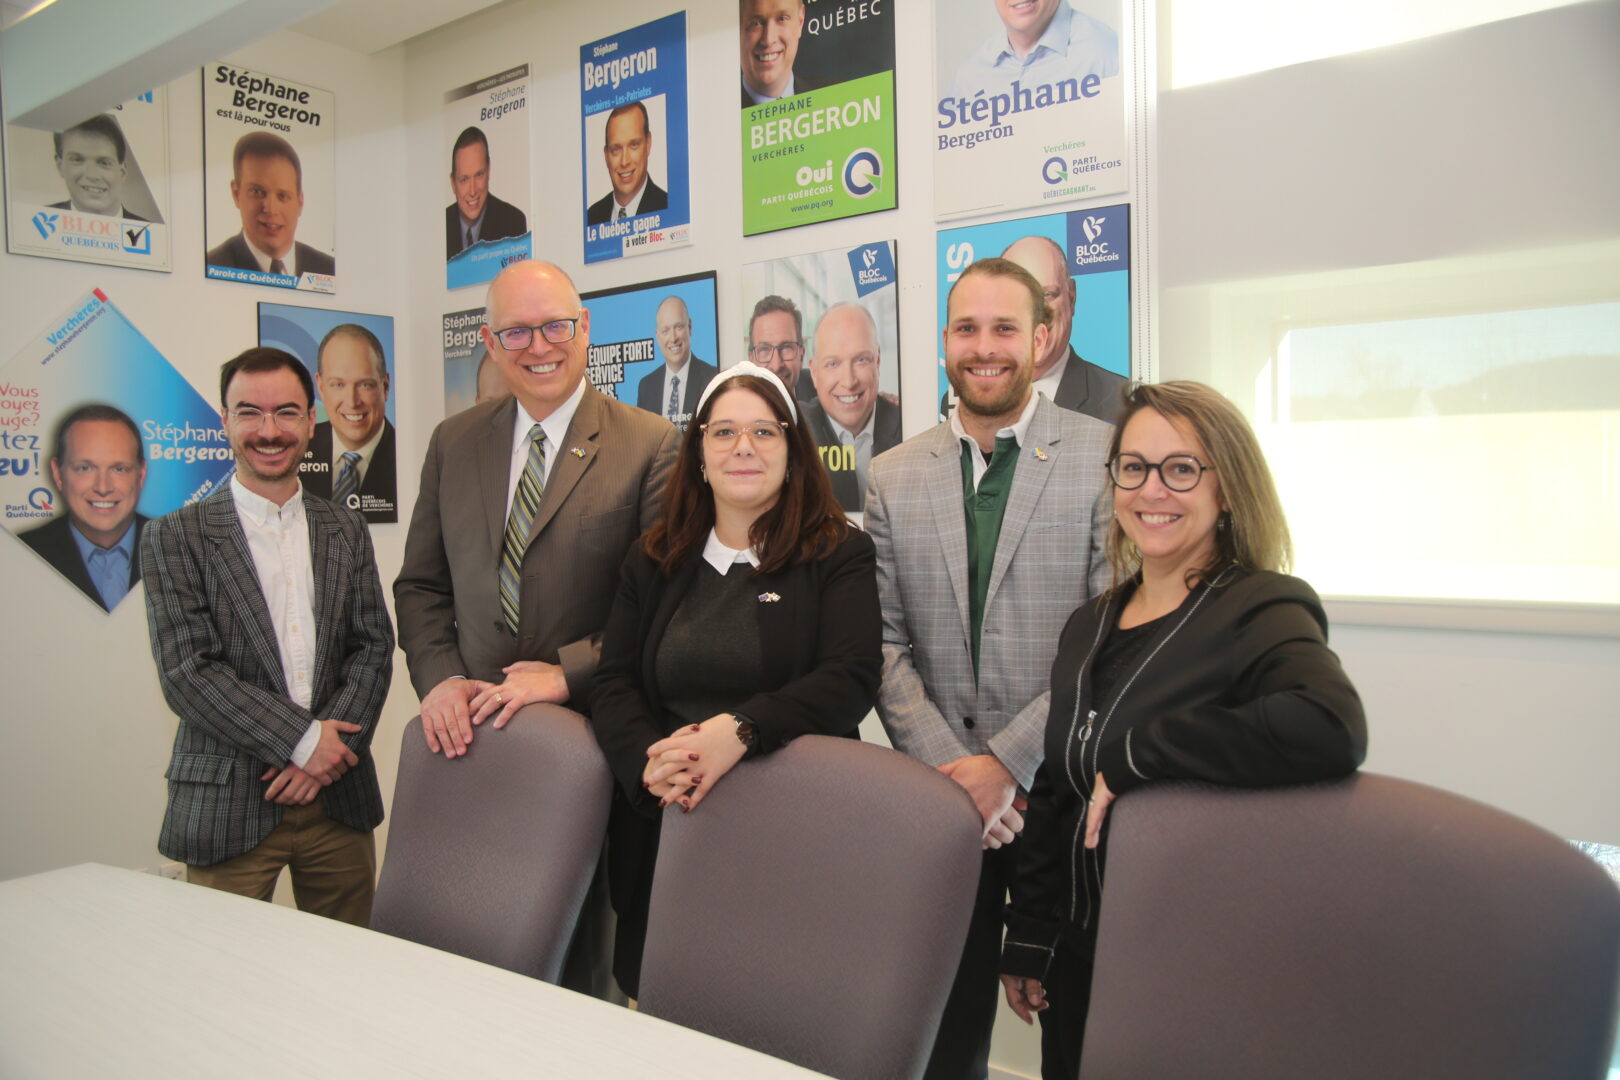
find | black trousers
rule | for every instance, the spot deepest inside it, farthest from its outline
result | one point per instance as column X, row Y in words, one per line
column 1063, row 1022
column 962, row 1047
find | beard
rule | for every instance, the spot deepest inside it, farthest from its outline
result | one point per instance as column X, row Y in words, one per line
column 989, row 403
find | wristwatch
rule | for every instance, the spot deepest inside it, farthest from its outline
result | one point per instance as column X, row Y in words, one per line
column 747, row 733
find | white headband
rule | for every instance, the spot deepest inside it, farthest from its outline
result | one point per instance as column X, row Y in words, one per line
column 748, row 367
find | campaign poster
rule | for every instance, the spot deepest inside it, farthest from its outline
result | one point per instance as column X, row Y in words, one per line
column 352, row 456
column 655, row 345
column 1030, row 105
column 470, row 376
column 1083, row 261
column 635, row 154
column 486, row 141
column 269, row 180
column 98, row 435
column 817, row 111
column 95, row 192
column 828, row 324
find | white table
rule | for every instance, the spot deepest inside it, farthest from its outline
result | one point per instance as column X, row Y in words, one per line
column 107, row 972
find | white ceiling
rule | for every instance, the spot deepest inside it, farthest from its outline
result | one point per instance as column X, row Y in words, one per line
column 369, row 26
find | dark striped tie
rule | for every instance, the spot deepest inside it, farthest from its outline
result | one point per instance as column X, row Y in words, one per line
column 347, row 483
column 518, row 523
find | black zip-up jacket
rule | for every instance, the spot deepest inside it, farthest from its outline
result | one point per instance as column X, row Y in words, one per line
column 1237, row 686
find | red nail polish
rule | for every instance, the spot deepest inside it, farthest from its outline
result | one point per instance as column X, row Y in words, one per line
column 697, row 727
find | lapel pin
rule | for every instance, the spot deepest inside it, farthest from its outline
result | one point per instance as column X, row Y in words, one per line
column 1038, row 454
column 576, row 451
column 768, row 598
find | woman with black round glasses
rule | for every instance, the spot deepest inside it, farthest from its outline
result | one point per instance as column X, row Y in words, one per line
column 1202, row 662
column 746, row 617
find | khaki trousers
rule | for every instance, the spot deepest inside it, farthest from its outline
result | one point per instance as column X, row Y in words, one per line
column 334, row 867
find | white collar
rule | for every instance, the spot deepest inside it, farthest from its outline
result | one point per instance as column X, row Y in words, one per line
column 723, row 558
column 258, row 509
column 634, row 205
column 1019, row 430
column 555, row 426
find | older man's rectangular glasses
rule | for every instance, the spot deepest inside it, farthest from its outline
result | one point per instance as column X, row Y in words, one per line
column 1179, row 472
column 723, row 434
column 556, row 331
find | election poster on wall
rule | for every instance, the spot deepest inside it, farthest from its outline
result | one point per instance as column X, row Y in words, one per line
column 269, row 180
column 486, row 142
column 655, row 345
column 817, row 111
column 635, row 151
column 98, row 435
column 1030, row 105
column 351, row 458
column 828, row 324
column 470, row 377
column 95, row 192
column 1083, row 261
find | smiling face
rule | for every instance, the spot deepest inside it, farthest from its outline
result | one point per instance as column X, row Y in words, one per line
column 268, row 197
column 470, row 180
column 353, row 388
column 1026, row 18
column 1044, row 261
column 1174, row 530
column 770, row 43
column 674, row 329
column 100, row 477
column 777, row 328
column 543, row 375
column 94, row 176
column 746, row 478
column 991, row 341
column 268, row 452
column 845, row 368
column 626, row 150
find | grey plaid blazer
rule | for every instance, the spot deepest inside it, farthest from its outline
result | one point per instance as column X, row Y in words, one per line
column 1048, row 561
column 220, row 669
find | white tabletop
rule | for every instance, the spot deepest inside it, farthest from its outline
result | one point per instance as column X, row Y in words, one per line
column 107, row 972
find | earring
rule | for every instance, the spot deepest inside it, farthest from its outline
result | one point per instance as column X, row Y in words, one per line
column 787, row 474
column 703, row 471
column 1222, row 521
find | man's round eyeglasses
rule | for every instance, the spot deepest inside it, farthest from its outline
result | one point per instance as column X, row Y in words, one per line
column 789, row 351
column 1178, row 472
column 723, row 434
column 556, row 331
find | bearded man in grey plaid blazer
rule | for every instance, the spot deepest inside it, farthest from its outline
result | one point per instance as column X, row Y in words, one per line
column 986, row 544
column 274, row 648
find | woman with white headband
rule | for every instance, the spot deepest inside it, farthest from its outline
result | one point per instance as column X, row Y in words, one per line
column 746, row 616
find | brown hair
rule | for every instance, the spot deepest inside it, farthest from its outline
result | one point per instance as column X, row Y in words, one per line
column 1256, row 533
column 805, row 523
column 999, row 267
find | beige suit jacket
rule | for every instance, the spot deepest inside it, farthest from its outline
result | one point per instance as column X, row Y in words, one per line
column 604, row 487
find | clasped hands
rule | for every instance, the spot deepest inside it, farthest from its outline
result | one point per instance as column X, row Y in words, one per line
column 331, row 758
column 995, row 796
column 452, row 709
column 683, row 767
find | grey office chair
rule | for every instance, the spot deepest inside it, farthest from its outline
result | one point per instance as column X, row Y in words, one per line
column 1365, row 928
column 814, row 907
column 490, row 855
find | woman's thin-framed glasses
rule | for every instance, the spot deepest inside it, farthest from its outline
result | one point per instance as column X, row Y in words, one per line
column 789, row 351
column 557, row 331
column 723, row 434
column 287, row 417
column 1178, row 472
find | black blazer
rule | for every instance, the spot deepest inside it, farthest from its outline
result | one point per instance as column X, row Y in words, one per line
column 54, row 542
column 1237, row 686
column 1087, row 388
column 235, row 254
column 380, row 480
column 501, row 220
column 885, row 436
column 822, row 646
column 800, row 85
column 652, row 199
column 649, row 392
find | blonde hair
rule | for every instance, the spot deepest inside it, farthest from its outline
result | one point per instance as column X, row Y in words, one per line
column 1256, row 533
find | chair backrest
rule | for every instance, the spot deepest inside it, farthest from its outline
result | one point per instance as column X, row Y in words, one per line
column 490, row 855
column 814, row 907
column 1369, row 927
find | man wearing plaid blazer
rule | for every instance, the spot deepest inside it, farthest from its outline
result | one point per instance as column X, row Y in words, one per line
column 986, row 545
column 274, row 648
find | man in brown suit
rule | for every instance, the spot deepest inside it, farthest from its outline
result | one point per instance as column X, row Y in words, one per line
column 526, row 508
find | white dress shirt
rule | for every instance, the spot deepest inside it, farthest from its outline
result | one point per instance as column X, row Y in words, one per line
column 1019, row 431
column 556, row 428
column 631, row 208
column 278, row 540
column 366, row 453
